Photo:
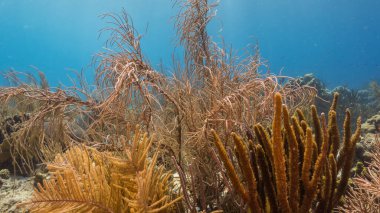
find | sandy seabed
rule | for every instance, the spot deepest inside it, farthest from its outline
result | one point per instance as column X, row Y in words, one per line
column 13, row 191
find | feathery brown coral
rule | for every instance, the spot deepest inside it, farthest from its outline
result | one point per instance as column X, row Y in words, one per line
column 86, row 180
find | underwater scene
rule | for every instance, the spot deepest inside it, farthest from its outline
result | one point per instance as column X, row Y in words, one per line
column 190, row 106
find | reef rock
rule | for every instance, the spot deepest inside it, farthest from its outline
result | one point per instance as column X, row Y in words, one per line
column 13, row 191
column 5, row 174
column 372, row 125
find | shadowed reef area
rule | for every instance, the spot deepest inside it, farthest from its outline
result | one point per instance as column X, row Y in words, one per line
column 219, row 135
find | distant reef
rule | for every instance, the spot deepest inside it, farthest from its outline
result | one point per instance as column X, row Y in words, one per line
column 364, row 102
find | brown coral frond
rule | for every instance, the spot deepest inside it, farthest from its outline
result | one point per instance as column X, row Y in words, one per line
column 267, row 174
column 229, row 167
column 86, row 180
column 293, row 162
column 346, row 168
column 334, row 102
column 364, row 191
column 279, row 156
column 311, row 189
column 304, row 175
column 334, row 132
column 78, row 185
column 346, row 140
column 248, row 172
column 307, row 159
column 265, row 141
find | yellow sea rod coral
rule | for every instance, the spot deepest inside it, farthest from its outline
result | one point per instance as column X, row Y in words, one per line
column 296, row 164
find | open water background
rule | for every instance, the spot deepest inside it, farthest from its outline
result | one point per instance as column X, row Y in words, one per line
column 337, row 40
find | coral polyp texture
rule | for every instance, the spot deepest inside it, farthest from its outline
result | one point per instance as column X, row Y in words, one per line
column 295, row 167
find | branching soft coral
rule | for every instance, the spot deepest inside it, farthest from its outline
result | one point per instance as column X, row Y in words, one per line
column 292, row 169
column 50, row 119
column 86, row 180
column 364, row 194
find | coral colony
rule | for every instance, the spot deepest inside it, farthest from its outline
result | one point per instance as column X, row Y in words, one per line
column 216, row 136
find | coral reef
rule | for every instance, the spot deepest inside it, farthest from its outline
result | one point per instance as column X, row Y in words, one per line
column 272, row 164
column 210, row 90
column 364, row 193
column 363, row 102
column 98, row 161
column 372, row 125
column 374, row 86
column 368, row 142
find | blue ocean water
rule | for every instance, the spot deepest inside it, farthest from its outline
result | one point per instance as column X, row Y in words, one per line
column 337, row 40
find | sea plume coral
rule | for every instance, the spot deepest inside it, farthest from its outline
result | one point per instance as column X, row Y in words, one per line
column 86, row 180
column 210, row 89
column 46, row 119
